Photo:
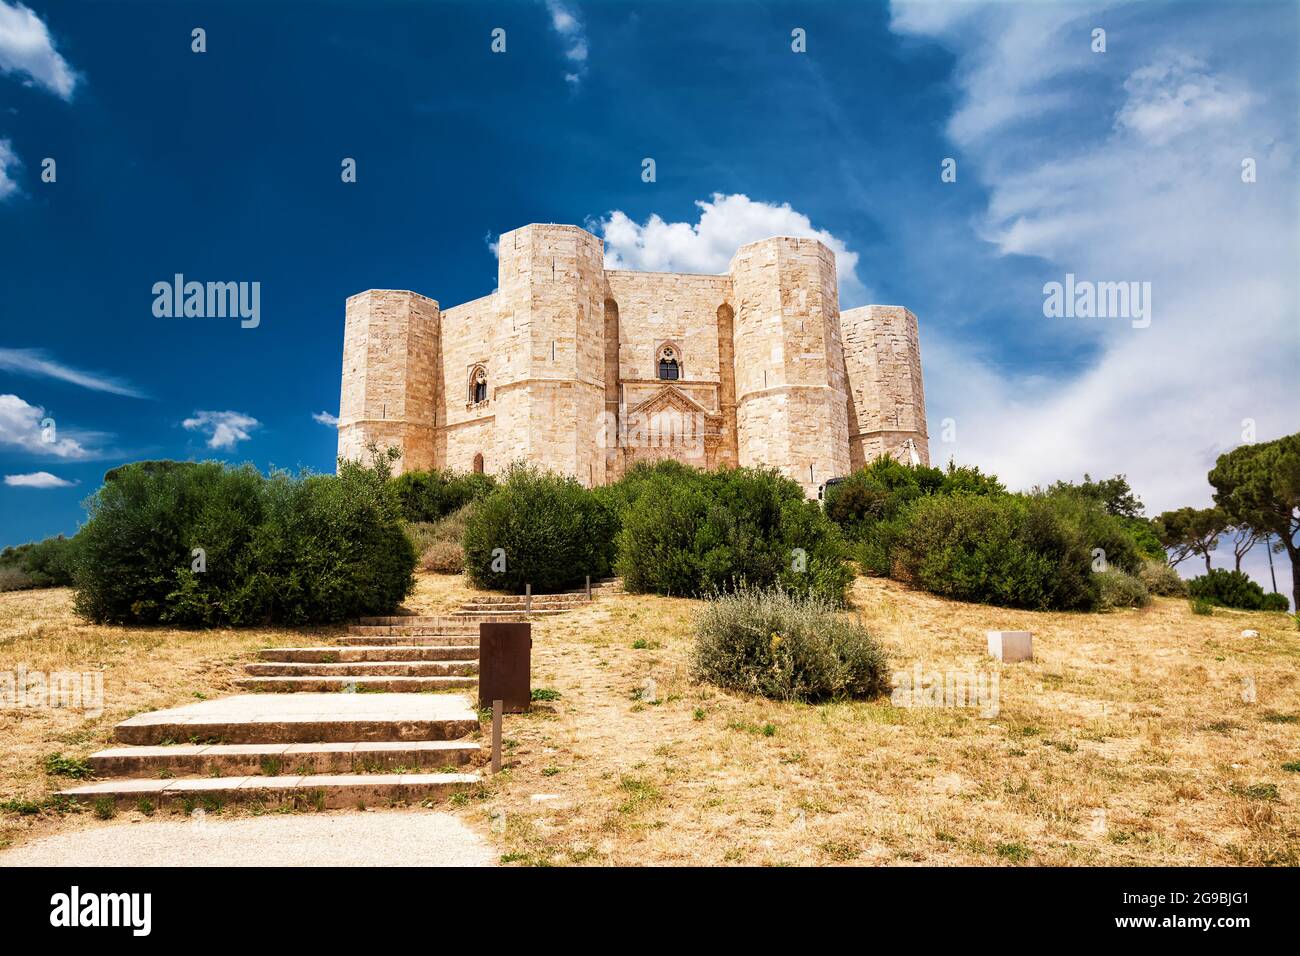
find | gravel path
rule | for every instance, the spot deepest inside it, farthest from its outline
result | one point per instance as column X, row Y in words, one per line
column 373, row 838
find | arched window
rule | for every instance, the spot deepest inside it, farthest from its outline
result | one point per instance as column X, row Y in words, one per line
column 478, row 464
column 478, row 385
column 669, row 369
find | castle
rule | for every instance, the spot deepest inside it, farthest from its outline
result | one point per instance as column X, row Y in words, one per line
column 587, row 370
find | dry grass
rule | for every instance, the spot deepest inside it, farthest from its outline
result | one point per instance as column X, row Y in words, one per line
column 1126, row 741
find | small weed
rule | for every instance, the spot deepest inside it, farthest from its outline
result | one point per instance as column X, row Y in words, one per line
column 105, row 808
column 57, row 765
column 640, row 794
column 1015, row 852
column 698, row 714
column 145, row 806
column 544, row 694
column 550, row 771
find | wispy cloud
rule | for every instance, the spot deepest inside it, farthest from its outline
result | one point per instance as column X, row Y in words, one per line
column 726, row 223
column 38, row 479
column 224, row 429
column 325, row 418
column 565, row 22
column 9, row 162
column 27, row 48
column 36, row 362
column 1153, row 193
column 28, row 428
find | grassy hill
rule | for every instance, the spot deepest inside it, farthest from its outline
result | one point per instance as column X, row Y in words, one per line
column 1149, row 736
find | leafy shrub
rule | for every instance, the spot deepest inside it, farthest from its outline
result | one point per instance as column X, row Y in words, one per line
column 45, row 564
column 687, row 532
column 786, row 647
column 1202, row 606
column 550, row 530
column 1161, row 579
column 1118, row 588
column 869, row 505
column 1233, row 589
column 11, row 579
column 439, row 542
column 1011, row 550
column 311, row 549
column 428, row 496
column 1275, row 602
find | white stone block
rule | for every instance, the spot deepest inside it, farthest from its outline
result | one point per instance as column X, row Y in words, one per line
column 1011, row 646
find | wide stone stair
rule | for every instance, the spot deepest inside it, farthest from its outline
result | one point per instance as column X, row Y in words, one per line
column 384, row 741
column 325, row 751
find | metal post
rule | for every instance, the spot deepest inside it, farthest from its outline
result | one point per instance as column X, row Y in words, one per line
column 589, row 587
column 1268, row 549
column 497, row 708
column 528, row 599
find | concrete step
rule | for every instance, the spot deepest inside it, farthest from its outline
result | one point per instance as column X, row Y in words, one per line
column 410, row 640
column 231, row 760
column 305, row 718
column 316, row 684
column 384, row 652
column 409, row 620
column 318, row 791
column 571, row 597
column 460, row 628
column 364, row 669
column 514, row 607
column 507, row 617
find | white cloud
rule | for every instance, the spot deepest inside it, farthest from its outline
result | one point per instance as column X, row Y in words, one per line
column 565, row 22
column 1156, row 196
column 28, row 428
column 726, row 223
column 36, row 362
column 38, row 479
column 26, row 47
column 8, row 163
column 224, row 429
column 325, row 418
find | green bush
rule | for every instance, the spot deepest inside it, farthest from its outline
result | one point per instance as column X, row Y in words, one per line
column 1234, row 589
column 1202, row 606
column 868, row 506
column 428, row 496
column 306, row 550
column 11, row 579
column 786, row 647
column 1011, row 550
column 541, row 529
column 691, row 533
column 1161, row 579
column 1118, row 588
column 438, row 543
column 44, row 564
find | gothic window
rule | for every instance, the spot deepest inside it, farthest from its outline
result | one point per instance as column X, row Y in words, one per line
column 478, row 385
column 478, row 464
column 669, row 369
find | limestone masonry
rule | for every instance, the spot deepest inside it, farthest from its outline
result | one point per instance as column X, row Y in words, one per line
column 587, row 370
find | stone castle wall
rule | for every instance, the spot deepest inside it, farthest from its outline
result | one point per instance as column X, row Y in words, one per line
column 771, row 372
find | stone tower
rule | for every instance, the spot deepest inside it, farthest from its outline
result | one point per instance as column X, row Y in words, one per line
column 586, row 370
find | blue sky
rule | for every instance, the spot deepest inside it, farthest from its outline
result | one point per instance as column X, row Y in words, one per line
column 225, row 166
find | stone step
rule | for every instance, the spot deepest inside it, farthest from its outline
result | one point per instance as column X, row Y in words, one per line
column 515, row 607
column 409, row 620
column 383, row 668
column 319, row 791
column 318, row 684
column 384, row 652
column 506, row 617
column 230, row 760
column 571, row 597
column 458, row 629
column 410, row 640
column 305, row 718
